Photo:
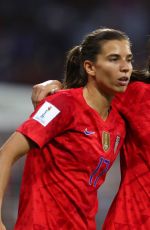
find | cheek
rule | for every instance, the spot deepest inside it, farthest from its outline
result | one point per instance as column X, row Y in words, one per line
column 110, row 70
column 131, row 68
column 106, row 73
column 109, row 75
column 107, row 78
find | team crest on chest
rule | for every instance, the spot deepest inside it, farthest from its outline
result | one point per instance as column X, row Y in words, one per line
column 105, row 141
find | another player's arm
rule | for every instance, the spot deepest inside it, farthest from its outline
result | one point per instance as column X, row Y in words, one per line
column 40, row 91
column 14, row 148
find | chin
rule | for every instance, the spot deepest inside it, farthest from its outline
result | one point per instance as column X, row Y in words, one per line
column 120, row 89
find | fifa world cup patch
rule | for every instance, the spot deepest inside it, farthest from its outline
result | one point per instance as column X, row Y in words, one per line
column 105, row 141
column 46, row 113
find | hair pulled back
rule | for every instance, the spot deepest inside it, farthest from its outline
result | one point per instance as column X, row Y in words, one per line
column 91, row 46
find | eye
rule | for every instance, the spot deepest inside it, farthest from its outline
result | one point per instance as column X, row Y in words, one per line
column 130, row 60
column 113, row 59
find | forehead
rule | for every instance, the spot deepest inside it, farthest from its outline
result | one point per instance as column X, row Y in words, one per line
column 116, row 46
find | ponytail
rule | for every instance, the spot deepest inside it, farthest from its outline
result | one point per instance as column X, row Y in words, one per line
column 75, row 76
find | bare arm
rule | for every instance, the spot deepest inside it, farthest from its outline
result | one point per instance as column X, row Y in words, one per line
column 14, row 148
column 40, row 91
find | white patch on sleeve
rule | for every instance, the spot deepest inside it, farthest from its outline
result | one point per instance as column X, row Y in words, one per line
column 46, row 113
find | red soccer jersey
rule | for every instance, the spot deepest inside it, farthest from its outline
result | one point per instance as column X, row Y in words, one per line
column 130, row 209
column 75, row 149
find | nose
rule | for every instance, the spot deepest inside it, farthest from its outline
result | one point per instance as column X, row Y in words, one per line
column 125, row 66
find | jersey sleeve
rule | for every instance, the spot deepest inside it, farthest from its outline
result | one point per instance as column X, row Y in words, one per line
column 122, row 101
column 118, row 102
column 53, row 116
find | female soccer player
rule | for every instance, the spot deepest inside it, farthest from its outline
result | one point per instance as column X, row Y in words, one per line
column 72, row 138
column 131, row 206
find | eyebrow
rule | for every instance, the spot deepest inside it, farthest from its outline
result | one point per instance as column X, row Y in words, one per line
column 118, row 55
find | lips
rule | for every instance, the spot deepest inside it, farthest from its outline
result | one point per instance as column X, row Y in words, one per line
column 123, row 81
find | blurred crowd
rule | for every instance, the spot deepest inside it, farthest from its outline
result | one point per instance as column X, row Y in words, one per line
column 35, row 35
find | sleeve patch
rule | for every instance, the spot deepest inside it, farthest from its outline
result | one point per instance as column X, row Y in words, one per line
column 46, row 113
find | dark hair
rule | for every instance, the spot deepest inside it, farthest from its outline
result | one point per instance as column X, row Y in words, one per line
column 91, row 46
column 141, row 75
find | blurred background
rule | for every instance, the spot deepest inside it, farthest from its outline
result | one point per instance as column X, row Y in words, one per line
column 34, row 39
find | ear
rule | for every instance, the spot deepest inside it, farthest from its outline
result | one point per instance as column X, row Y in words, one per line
column 89, row 67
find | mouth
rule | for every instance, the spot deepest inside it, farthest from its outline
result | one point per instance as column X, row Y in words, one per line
column 123, row 81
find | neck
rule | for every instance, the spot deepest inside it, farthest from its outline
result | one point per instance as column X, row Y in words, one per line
column 97, row 100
